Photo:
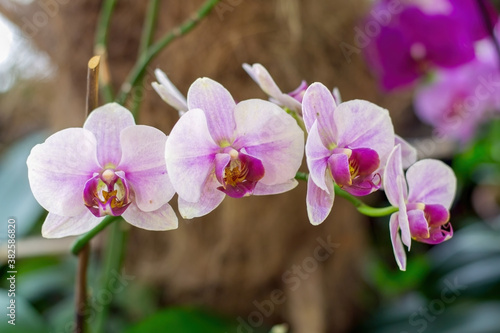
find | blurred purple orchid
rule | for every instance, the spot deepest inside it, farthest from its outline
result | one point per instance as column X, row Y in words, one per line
column 423, row 199
column 347, row 144
column 109, row 167
column 457, row 101
column 219, row 147
column 421, row 36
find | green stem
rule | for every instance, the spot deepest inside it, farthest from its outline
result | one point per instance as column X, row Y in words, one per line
column 149, row 26
column 101, row 38
column 100, row 47
column 146, row 41
column 85, row 238
column 138, row 70
column 113, row 258
column 360, row 205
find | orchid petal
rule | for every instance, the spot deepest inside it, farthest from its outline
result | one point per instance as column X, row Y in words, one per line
column 362, row 124
column 319, row 104
column 396, row 191
column 436, row 214
column 263, row 189
column 394, row 171
column 106, row 122
column 160, row 219
column 408, row 152
column 221, row 162
column 168, row 92
column 268, row 133
column 317, row 157
column 418, row 224
column 339, row 167
column 218, row 106
column 56, row 226
column 59, row 168
column 397, row 246
column 190, row 153
column 404, row 223
column 261, row 76
column 211, row 198
column 319, row 202
column 431, row 182
column 143, row 161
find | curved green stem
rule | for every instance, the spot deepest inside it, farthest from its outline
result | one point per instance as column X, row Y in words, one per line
column 101, row 37
column 140, row 67
column 360, row 205
column 85, row 238
column 149, row 26
column 146, row 41
column 100, row 47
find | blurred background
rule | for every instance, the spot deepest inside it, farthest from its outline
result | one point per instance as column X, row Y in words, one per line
column 253, row 263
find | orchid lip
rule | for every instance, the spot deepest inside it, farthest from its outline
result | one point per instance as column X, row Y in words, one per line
column 240, row 175
column 106, row 194
column 354, row 172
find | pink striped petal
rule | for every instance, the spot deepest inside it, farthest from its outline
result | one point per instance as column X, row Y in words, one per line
column 59, row 168
column 209, row 200
column 190, row 155
column 317, row 157
column 319, row 104
column 56, row 226
column 319, row 202
column 218, row 106
column 143, row 161
column 161, row 219
column 268, row 133
column 397, row 246
column 362, row 124
column 431, row 182
column 262, row 189
column 106, row 122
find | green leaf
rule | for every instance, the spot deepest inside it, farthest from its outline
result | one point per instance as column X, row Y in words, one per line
column 190, row 320
column 17, row 201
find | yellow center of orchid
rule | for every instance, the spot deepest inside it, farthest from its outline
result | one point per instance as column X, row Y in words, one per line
column 235, row 173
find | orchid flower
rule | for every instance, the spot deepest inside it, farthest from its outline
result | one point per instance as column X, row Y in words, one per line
column 109, row 167
column 458, row 100
column 261, row 76
column 423, row 199
column 347, row 145
column 169, row 93
column 220, row 148
column 421, row 36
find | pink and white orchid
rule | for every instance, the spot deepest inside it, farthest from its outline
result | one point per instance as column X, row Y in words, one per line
column 109, row 167
column 169, row 92
column 261, row 76
column 347, row 145
column 424, row 200
column 219, row 147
